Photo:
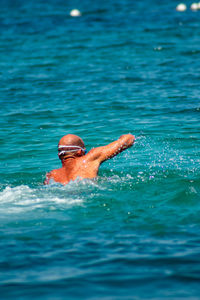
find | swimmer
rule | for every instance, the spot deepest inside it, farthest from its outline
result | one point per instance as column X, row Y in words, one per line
column 75, row 161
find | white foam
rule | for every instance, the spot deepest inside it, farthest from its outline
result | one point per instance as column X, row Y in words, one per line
column 23, row 198
column 16, row 194
column 53, row 196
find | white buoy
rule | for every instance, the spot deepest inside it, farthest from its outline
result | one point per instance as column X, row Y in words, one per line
column 194, row 6
column 75, row 13
column 181, row 7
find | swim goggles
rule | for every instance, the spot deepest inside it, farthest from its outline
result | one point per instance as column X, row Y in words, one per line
column 71, row 148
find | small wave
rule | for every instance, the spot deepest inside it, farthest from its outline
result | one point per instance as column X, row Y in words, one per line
column 23, row 198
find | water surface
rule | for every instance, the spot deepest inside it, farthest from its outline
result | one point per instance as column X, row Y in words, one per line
column 123, row 66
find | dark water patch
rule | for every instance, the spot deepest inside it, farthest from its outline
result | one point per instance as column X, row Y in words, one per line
column 191, row 52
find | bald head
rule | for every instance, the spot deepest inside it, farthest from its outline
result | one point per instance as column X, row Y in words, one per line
column 71, row 146
column 71, row 140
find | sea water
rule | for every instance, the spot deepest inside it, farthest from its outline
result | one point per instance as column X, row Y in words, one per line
column 121, row 66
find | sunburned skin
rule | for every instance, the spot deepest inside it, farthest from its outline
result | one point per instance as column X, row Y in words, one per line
column 75, row 163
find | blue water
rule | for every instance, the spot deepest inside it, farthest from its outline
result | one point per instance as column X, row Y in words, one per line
column 122, row 66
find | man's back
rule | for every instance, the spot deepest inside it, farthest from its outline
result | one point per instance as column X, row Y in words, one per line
column 78, row 167
column 85, row 166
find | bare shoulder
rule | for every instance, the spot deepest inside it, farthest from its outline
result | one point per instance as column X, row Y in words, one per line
column 91, row 155
column 55, row 171
column 51, row 175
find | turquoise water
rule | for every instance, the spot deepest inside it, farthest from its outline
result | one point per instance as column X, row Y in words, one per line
column 123, row 66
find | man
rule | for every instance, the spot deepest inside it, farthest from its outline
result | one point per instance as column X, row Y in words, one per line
column 75, row 161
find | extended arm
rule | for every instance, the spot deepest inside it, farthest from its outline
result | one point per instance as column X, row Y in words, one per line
column 106, row 152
